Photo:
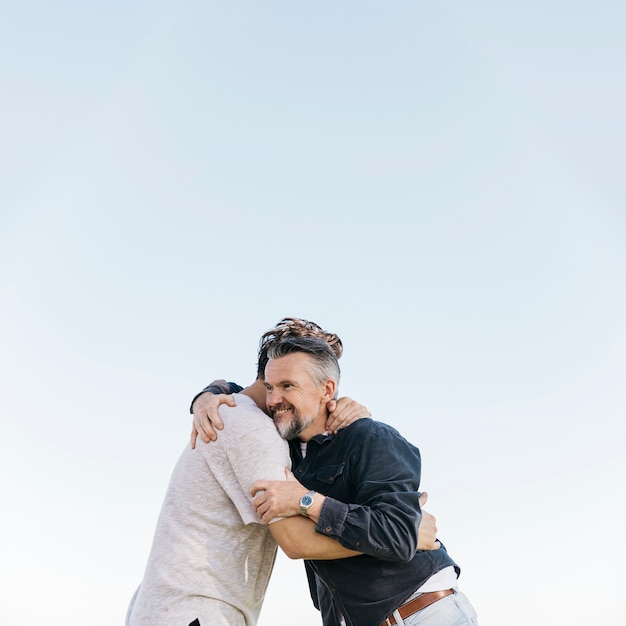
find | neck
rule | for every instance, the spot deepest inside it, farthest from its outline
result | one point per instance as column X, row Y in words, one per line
column 257, row 392
column 317, row 427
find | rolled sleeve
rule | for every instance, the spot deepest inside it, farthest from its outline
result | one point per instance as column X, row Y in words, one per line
column 332, row 518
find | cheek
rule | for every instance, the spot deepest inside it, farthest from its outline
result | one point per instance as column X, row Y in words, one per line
column 316, row 405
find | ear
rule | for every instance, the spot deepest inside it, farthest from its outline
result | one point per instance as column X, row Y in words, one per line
column 330, row 388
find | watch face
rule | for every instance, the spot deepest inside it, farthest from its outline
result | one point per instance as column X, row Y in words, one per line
column 306, row 500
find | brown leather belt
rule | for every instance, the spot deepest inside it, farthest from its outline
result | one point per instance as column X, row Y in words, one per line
column 419, row 603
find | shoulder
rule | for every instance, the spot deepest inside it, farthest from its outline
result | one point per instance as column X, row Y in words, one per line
column 246, row 412
column 245, row 420
column 372, row 433
column 247, row 432
column 369, row 426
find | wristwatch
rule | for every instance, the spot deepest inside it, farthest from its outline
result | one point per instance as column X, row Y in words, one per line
column 305, row 502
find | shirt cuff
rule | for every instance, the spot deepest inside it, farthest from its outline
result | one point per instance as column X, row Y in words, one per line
column 332, row 517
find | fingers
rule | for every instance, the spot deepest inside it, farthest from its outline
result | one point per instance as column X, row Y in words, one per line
column 229, row 400
column 204, row 427
column 280, row 498
column 337, row 416
column 343, row 412
column 261, row 502
column 210, row 419
column 193, row 437
column 259, row 485
column 423, row 498
column 206, row 414
column 262, row 511
column 427, row 532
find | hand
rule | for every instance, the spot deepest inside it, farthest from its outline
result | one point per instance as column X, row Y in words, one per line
column 343, row 412
column 206, row 416
column 277, row 498
column 427, row 531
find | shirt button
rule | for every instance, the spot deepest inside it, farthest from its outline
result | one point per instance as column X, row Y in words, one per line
column 328, row 529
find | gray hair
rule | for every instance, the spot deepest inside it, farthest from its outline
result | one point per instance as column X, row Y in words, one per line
column 324, row 365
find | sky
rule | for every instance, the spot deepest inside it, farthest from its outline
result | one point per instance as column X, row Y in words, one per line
column 439, row 183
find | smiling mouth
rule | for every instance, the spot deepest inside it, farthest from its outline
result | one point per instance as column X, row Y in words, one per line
column 279, row 412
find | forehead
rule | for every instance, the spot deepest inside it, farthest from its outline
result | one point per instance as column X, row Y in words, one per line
column 291, row 367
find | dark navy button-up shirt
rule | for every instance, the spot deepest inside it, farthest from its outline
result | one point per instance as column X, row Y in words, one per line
column 370, row 475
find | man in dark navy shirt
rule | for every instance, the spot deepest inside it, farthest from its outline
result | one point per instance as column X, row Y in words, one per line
column 361, row 487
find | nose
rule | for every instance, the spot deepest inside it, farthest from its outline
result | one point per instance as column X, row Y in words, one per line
column 273, row 397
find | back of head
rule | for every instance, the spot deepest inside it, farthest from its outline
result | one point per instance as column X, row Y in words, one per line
column 291, row 327
column 324, row 363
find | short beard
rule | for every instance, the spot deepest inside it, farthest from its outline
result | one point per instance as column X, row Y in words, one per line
column 292, row 429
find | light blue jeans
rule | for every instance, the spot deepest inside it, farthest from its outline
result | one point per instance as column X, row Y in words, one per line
column 453, row 610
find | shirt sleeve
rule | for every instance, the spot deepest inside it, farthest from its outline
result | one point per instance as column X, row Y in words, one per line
column 384, row 517
column 261, row 456
column 217, row 387
column 257, row 454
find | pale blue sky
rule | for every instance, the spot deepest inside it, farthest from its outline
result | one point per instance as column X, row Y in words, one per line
column 440, row 183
